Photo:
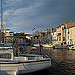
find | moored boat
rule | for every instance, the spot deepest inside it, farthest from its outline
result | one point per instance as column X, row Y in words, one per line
column 60, row 47
column 25, row 63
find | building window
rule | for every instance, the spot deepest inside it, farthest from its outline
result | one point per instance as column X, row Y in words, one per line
column 63, row 38
column 68, row 36
column 34, row 37
column 68, row 31
column 64, row 26
column 37, row 37
column 64, row 31
column 59, row 38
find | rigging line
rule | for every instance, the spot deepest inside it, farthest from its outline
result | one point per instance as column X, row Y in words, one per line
column 16, row 14
column 7, row 3
column 23, row 6
column 5, row 15
column 27, row 13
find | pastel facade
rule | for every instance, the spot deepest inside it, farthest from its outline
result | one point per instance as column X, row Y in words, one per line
column 59, row 31
column 61, row 34
column 70, row 33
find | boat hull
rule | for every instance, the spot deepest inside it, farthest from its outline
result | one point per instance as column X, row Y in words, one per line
column 25, row 67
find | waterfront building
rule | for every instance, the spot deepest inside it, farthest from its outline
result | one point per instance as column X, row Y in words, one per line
column 66, row 33
column 28, row 38
column 61, row 33
column 48, row 36
column 35, row 39
column 42, row 38
column 8, row 36
column 70, row 33
column 19, row 38
column 53, row 36
column 58, row 31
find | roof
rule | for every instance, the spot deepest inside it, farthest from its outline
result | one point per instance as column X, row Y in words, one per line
column 71, row 24
column 36, row 36
column 59, row 25
column 28, row 35
column 19, row 34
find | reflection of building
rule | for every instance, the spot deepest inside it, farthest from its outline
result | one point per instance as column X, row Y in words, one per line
column 70, row 33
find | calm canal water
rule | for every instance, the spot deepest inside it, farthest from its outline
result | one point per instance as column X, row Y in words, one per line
column 63, row 62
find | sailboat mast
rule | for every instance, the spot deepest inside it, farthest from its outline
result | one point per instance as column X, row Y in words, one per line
column 1, row 17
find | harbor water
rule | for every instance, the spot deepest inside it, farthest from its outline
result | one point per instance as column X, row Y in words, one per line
column 63, row 62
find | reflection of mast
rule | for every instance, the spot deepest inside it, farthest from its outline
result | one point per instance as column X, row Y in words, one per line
column 1, row 17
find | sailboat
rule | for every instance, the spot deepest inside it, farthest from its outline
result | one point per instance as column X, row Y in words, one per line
column 25, row 63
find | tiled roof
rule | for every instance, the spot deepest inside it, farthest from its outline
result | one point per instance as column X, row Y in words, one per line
column 71, row 24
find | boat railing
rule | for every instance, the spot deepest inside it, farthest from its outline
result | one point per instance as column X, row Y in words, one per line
column 6, row 55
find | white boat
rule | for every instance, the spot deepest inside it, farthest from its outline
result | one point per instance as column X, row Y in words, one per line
column 60, row 46
column 37, row 45
column 25, row 63
column 48, row 46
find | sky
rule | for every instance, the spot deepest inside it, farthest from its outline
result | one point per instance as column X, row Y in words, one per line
column 24, row 15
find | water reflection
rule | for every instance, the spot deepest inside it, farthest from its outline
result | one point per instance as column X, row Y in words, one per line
column 63, row 61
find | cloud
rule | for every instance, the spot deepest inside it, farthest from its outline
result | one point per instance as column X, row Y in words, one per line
column 27, row 14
